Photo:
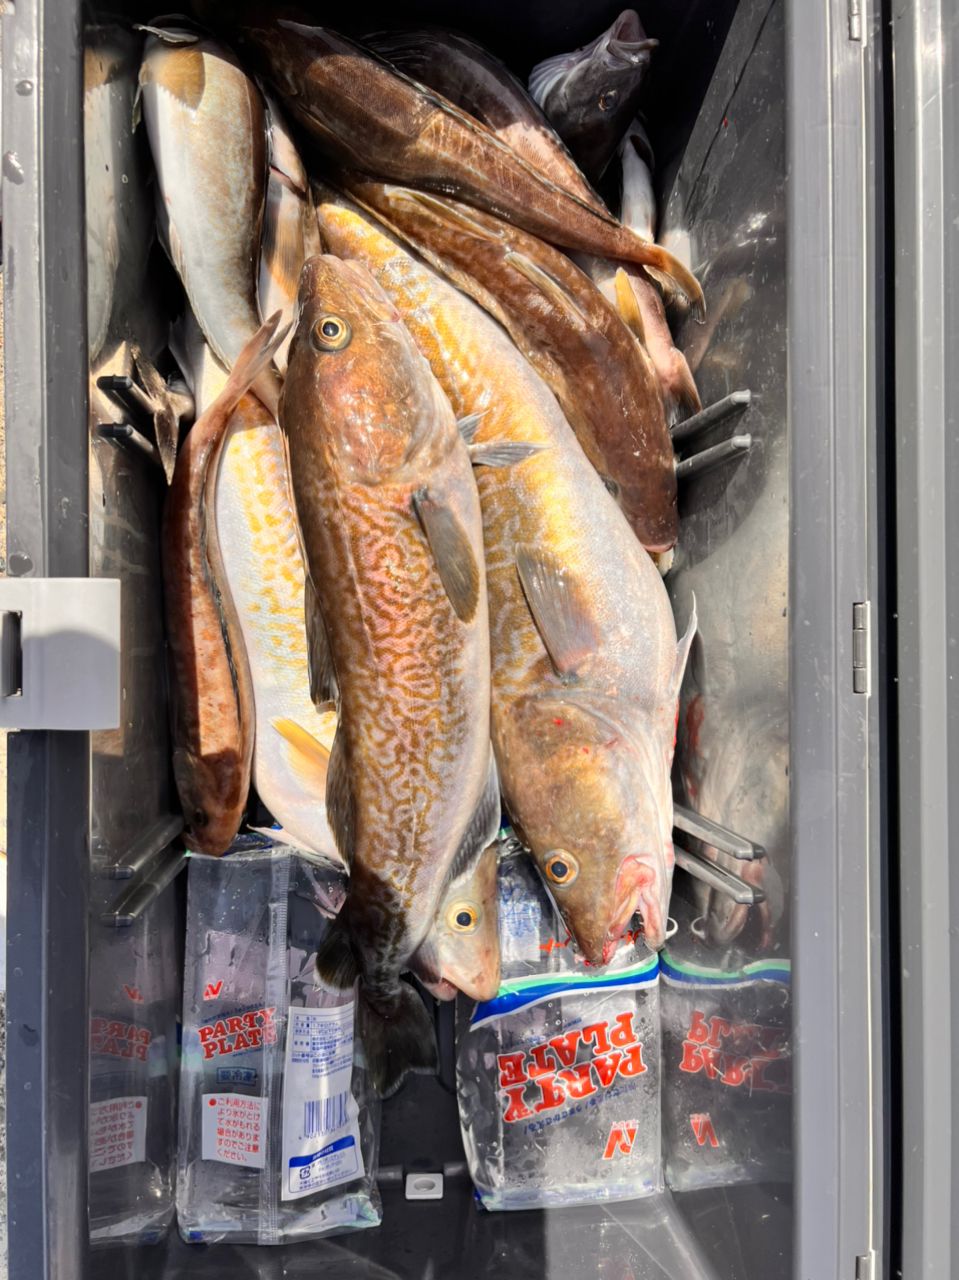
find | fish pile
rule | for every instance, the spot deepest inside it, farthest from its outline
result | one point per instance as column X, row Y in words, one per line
column 410, row 537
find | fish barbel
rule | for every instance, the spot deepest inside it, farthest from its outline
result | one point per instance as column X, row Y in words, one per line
column 212, row 695
column 586, row 665
column 368, row 116
column 392, row 532
column 570, row 334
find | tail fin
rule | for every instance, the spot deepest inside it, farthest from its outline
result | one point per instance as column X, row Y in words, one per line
column 335, row 957
column 398, row 1044
column 682, row 388
column 661, row 262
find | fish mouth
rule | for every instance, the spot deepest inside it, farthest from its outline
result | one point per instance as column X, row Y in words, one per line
column 628, row 41
column 440, row 989
column 637, row 891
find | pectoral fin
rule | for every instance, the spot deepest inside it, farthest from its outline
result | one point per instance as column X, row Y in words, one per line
column 319, row 659
column 467, row 425
column 502, row 453
column 560, row 608
column 553, row 290
column 311, row 758
column 682, row 653
column 628, row 307
column 452, row 551
column 442, row 209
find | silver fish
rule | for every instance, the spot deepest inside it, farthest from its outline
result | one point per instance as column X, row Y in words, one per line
column 206, row 121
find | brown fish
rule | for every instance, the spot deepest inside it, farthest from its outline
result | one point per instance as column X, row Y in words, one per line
column 392, row 532
column 570, row 334
column 586, row 665
column 473, row 80
column 212, row 693
column 367, row 116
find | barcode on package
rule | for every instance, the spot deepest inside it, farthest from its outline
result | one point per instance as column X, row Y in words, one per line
column 324, row 1115
column 321, row 1137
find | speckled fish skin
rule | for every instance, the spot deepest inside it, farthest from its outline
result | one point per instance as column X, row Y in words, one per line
column 584, row 756
column 290, row 235
column 591, row 94
column 207, row 127
column 263, row 567
column 476, row 82
column 373, row 444
column 570, row 334
column 212, row 690
column 368, row 116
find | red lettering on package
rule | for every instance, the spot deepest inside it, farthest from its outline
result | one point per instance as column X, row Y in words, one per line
column 547, row 1076
column 621, row 1138
column 238, row 1033
column 737, row 1054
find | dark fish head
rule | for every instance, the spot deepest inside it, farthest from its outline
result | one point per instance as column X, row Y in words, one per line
column 591, row 94
column 212, row 806
column 461, row 951
column 596, row 810
column 354, row 364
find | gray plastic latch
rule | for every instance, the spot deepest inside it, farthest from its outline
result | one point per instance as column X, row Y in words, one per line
column 59, row 653
column 424, row 1186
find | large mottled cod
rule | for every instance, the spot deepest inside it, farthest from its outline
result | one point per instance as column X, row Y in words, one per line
column 393, row 537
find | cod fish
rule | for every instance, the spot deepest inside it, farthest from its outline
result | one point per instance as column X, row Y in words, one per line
column 586, row 665
column 263, row 569
column 290, row 235
column 479, row 84
column 393, row 537
column 212, row 695
column 206, row 121
column 461, row 951
column 570, row 334
column 590, row 95
column 367, row 116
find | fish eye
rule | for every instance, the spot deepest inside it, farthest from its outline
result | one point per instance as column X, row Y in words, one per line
column 611, row 485
column 199, row 818
column 607, row 100
column 330, row 333
column 463, row 917
column 561, row 867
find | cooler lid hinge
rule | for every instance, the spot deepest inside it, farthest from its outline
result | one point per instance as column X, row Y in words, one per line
column 854, row 10
column 860, row 647
column 866, row 1266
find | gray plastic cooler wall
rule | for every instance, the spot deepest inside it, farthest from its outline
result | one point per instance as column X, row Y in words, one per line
column 832, row 86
